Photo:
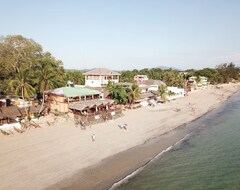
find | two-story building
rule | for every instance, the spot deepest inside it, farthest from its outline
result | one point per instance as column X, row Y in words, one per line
column 100, row 77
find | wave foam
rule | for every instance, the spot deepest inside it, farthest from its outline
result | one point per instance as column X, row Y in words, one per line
column 125, row 179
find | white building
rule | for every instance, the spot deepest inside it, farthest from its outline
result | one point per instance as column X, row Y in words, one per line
column 200, row 84
column 100, row 77
column 150, row 85
column 177, row 92
column 140, row 78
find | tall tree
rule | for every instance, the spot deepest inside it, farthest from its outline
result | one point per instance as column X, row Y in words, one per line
column 17, row 51
column 47, row 73
column 21, row 85
column 118, row 93
column 74, row 76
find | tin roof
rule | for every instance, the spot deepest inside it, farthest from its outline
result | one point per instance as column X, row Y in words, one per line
column 101, row 71
column 73, row 91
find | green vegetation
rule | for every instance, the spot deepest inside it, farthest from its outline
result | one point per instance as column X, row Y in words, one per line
column 117, row 93
column 133, row 94
column 162, row 92
column 25, row 69
column 122, row 94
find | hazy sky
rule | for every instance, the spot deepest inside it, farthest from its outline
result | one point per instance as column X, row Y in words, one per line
column 129, row 34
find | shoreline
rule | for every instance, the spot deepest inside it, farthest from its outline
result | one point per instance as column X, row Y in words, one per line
column 111, row 175
column 64, row 157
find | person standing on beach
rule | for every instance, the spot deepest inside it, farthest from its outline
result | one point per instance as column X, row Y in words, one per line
column 93, row 137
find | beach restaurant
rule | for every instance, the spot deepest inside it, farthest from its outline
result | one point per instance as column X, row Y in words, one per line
column 59, row 99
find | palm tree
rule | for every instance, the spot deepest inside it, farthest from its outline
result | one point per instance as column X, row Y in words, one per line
column 47, row 80
column 74, row 76
column 162, row 92
column 22, row 85
column 133, row 94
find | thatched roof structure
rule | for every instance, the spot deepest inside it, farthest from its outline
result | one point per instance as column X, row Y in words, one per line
column 89, row 104
column 30, row 110
column 11, row 111
column 14, row 111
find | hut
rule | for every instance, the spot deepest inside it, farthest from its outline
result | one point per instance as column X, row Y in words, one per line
column 9, row 114
column 11, row 117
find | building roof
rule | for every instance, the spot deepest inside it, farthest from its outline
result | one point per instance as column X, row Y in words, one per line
column 146, row 95
column 152, row 82
column 73, row 91
column 11, row 111
column 31, row 109
column 101, row 71
column 14, row 111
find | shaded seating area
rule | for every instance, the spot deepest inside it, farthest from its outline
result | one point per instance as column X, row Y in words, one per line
column 94, row 111
column 9, row 115
column 13, row 118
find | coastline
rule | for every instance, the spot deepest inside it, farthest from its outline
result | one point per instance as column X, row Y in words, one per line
column 119, row 166
column 82, row 164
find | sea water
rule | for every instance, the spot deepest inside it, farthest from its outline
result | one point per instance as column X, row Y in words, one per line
column 208, row 159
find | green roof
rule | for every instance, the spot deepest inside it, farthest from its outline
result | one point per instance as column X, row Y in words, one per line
column 73, row 91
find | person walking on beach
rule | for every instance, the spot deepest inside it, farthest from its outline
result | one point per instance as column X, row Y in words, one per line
column 193, row 110
column 93, row 137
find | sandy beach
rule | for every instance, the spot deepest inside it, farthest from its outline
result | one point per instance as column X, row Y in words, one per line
column 62, row 156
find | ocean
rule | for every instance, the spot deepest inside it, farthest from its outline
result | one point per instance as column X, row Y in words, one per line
column 208, row 158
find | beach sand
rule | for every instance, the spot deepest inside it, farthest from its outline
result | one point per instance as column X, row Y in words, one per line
column 63, row 156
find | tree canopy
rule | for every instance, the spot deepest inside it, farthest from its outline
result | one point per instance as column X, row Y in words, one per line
column 223, row 73
column 24, row 58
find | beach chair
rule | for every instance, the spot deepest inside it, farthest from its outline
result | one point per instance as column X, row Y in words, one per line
column 18, row 130
column 34, row 124
column 5, row 132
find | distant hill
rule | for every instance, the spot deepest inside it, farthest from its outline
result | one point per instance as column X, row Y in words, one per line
column 86, row 70
column 119, row 71
column 82, row 70
column 167, row 68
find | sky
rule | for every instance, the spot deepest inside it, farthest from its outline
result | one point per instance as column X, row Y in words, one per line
column 129, row 34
